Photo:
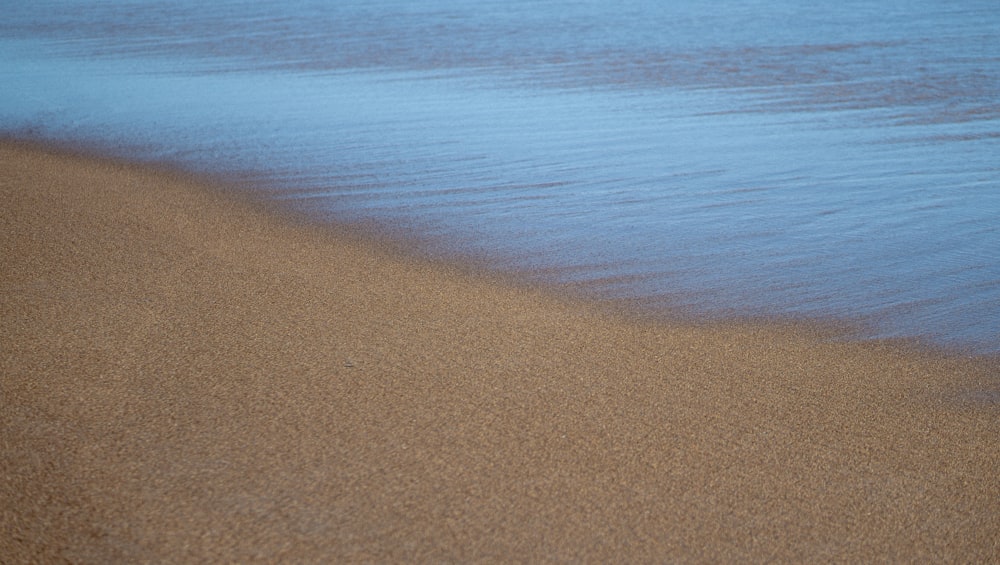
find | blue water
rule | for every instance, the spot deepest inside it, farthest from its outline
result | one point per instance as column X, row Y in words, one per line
column 738, row 158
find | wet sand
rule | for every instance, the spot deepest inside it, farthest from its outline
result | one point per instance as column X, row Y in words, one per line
column 189, row 377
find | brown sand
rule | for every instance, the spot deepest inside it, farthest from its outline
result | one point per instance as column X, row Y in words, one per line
column 188, row 378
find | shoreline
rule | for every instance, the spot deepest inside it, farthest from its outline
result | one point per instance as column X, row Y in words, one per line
column 191, row 376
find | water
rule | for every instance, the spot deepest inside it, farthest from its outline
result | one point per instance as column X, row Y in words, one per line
column 730, row 158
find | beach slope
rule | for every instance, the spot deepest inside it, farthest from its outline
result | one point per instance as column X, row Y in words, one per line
column 186, row 376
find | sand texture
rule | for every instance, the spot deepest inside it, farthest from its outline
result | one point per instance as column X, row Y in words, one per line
column 187, row 377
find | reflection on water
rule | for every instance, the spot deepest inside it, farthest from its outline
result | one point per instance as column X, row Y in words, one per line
column 728, row 158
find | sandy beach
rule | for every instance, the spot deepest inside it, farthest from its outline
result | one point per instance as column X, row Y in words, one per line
column 186, row 376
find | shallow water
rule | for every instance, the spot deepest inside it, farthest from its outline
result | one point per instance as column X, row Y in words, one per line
column 724, row 158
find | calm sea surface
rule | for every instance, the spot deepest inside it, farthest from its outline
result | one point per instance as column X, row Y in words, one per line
column 740, row 157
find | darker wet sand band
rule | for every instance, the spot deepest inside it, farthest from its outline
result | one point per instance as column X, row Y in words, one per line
column 185, row 377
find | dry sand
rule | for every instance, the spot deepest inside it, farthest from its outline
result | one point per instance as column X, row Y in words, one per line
column 186, row 377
